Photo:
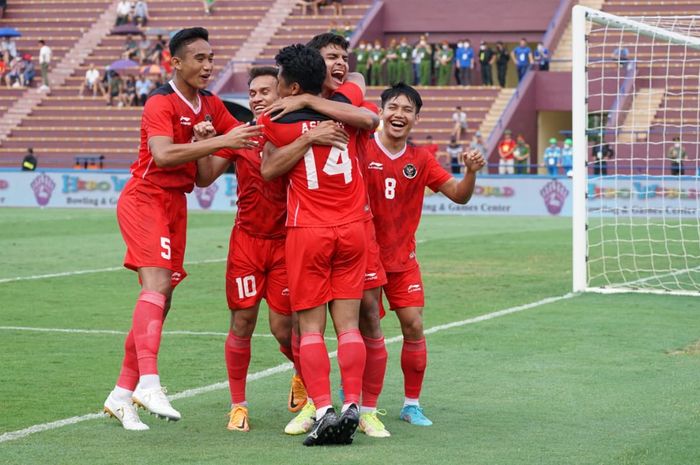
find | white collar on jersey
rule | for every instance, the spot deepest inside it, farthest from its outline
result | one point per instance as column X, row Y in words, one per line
column 386, row 151
column 187, row 102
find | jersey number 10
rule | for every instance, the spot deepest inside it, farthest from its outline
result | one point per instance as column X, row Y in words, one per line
column 338, row 162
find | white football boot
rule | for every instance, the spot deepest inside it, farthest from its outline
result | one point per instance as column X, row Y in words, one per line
column 155, row 401
column 125, row 413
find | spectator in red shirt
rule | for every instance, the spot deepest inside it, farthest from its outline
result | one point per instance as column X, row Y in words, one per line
column 430, row 146
column 505, row 150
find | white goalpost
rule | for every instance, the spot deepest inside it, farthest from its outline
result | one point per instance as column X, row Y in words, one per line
column 636, row 135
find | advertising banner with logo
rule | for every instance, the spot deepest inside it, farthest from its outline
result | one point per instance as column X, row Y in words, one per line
column 494, row 195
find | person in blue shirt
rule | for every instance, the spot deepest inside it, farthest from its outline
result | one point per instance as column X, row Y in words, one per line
column 567, row 157
column 541, row 56
column 552, row 157
column 522, row 56
column 464, row 63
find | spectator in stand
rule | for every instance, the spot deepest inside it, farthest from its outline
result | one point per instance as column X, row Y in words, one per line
column 29, row 163
column 208, row 6
column 155, row 54
column 424, row 52
column 552, row 157
column 486, row 59
column 91, row 82
column 337, row 5
column 522, row 56
column 115, row 90
column 445, row 56
column 362, row 60
column 404, row 52
column 477, row 143
column 521, row 155
column 3, row 69
column 131, row 48
column 165, row 62
column 333, row 28
column 392, row 62
column 140, row 13
column 45, row 63
column 9, row 49
column 128, row 97
column 144, row 49
column 376, row 60
column 347, row 30
column 622, row 55
column 464, row 63
column 460, row 124
column 601, row 154
column 502, row 60
column 541, row 56
column 454, row 150
column 312, row 4
column 567, row 157
column 431, row 146
column 676, row 154
column 124, row 8
column 505, row 151
column 144, row 86
column 14, row 77
column 29, row 72
column 3, row 6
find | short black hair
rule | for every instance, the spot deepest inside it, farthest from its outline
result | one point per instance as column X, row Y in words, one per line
column 402, row 89
column 41, row 41
column 303, row 65
column 262, row 71
column 327, row 38
column 184, row 37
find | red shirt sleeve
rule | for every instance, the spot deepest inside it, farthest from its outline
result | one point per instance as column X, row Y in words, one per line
column 223, row 122
column 268, row 131
column 436, row 174
column 157, row 119
column 350, row 91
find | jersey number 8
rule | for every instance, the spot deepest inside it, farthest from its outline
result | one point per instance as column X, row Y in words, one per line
column 389, row 188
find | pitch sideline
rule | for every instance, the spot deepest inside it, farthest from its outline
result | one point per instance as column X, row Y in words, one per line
column 19, row 434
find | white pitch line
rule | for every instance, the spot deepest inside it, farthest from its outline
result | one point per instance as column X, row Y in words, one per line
column 96, row 270
column 13, row 435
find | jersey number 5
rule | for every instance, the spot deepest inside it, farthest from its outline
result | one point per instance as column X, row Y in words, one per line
column 338, row 162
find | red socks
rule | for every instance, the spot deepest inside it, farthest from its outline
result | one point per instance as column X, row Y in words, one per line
column 414, row 358
column 146, row 328
column 129, row 375
column 351, row 359
column 375, row 369
column 316, row 368
column 237, row 350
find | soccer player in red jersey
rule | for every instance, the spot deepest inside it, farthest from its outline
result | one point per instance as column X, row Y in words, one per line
column 397, row 175
column 152, row 213
column 326, row 210
column 256, row 259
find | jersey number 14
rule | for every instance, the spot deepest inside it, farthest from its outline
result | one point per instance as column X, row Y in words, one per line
column 338, row 162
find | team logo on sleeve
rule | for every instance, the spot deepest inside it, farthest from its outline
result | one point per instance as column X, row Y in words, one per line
column 410, row 171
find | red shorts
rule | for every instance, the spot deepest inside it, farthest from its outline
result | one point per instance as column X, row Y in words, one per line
column 255, row 269
column 404, row 289
column 325, row 264
column 153, row 222
column 374, row 273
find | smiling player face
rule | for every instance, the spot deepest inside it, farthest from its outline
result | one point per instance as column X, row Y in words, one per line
column 336, row 67
column 195, row 64
column 399, row 116
column 262, row 92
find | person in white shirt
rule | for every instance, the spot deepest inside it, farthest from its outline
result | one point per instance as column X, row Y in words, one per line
column 9, row 49
column 140, row 13
column 92, row 82
column 460, row 124
column 44, row 62
column 123, row 12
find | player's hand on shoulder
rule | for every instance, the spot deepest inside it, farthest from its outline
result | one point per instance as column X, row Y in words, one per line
column 329, row 133
column 203, row 130
column 242, row 136
column 473, row 160
column 286, row 105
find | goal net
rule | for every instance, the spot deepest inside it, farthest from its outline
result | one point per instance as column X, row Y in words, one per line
column 636, row 132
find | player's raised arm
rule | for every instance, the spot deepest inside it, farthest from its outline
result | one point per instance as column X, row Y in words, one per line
column 278, row 161
column 347, row 113
column 461, row 191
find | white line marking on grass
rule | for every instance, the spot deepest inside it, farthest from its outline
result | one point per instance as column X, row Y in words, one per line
column 13, row 435
column 96, row 270
column 123, row 333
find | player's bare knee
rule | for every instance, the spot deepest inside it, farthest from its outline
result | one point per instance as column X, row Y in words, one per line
column 243, row 323
column 370, row 325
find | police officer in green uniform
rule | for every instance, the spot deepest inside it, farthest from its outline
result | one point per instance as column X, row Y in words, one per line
column 376, row 58
column 444, row 64
column 404, row 61
column 392, row 63
column 362, row 56
column 424, row 52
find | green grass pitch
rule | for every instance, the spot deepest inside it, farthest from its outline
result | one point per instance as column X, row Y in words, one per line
column 589, row 379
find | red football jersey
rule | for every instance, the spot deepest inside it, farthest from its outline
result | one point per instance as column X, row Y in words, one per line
column 262, row 205
column 168, row 113
column 396, row 187
column 326, row 187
